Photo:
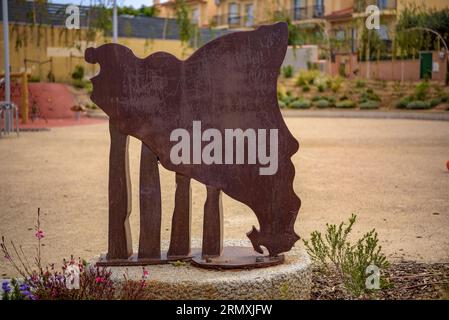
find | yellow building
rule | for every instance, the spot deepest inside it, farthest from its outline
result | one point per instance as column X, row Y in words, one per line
column 338, row 16
column 250, row 13
column 346, row 18
column 247, row 13
column 50, row 52
column 201, row 12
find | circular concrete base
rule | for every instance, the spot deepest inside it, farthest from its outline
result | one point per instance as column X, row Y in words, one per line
column 181, row 280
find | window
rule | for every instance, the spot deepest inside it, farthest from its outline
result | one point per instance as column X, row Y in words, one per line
column 319, row 8
column 196, row 15
column 233, row 13
column 296, row 4
column 249, row 15
column 382, row 4
column 297, row 9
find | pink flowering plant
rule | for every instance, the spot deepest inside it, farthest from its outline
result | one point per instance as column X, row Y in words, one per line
column 49, row 283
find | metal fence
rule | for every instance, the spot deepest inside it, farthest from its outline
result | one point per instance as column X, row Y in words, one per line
column 360, row 5
column 233, row 21
column 302, row 13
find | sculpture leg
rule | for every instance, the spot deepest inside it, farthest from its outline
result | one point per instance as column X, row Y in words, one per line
column 213, row 224
column 150, row 206
column 119, row 239
column 180, row 233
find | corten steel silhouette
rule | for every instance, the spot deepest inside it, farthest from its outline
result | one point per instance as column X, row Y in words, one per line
column 229, row 83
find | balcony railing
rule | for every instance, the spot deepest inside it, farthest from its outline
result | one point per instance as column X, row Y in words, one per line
column 233, row 21
column 302, row 13
column 361, row 5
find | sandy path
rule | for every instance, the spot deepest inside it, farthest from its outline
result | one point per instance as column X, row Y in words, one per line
column 390, row 172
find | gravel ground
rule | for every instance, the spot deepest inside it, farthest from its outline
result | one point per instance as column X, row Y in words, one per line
column 404, row 280
column 392, row 173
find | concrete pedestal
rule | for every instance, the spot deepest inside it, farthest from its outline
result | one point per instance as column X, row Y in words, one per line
column 181, row 280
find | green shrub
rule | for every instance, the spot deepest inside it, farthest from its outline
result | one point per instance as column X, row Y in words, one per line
column 320, row 88
column 281, row 90
column 345, row 104
column 322, row 104
column 306, row 88
column 336, row 84
column 284, row 94
column 335, row 87
column 301, row 81
column 421, row 91
column 369, row 95
column 307, row 77
column 397, row 86
column 35, row 79
column 50, row 77
column 78, row 74
column 344, row 97
column 89, row 87
column 316, row 98
column 47, row 282
column 434, row 102
column 320, row 81
column 282, row 104
column 312, row 65
column 333, row 252
column 287, row 71
column 402, row 104
column 287, row 99
column 80, row 84
column 418, row 105
column 92, row 106
column 301, row 104
column 370, row 104
column 360, row 84
column 331, row 99
column 444, row 97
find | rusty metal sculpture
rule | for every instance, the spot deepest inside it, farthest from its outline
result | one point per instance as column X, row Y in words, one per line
column 230, row 83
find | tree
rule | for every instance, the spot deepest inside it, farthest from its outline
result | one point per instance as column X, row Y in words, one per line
column 187, row 30
column 420, row 18
column 145, row 11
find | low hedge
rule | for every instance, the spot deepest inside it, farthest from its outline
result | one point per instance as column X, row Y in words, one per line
column 434, row 102
column 418, row 105
column 282, row 104
column 322, row 104
column 402, row 104
column 301, row 104
column 370, row 104
column 345, row 104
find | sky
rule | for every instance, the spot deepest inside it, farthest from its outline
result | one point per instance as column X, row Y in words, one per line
column 134, row 3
